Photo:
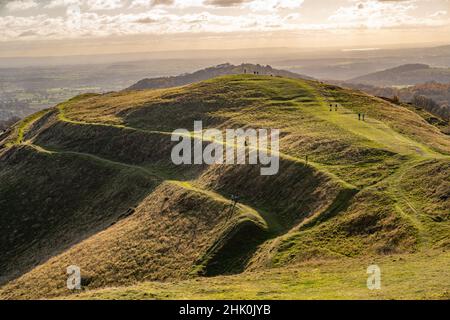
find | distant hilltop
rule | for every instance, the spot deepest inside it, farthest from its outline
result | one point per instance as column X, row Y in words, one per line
column 212, row 72
column 405, row 75
column 409, row 67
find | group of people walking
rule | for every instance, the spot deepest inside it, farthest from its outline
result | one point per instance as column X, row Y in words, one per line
column 335, row 107
column 361, row 116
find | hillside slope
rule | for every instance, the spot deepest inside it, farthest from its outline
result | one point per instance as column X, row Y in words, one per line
column 91, row 183
column 431, row 97
column 405, row 75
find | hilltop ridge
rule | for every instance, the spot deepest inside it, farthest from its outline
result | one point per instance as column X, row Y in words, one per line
column 212, row 72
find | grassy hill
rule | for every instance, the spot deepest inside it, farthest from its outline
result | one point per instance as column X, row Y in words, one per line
column 212, row 72
column 405, row 75
column 90, row 183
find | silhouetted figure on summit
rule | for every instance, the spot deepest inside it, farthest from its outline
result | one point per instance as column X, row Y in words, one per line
column 359, row 116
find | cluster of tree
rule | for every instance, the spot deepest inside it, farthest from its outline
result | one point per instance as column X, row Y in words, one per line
column 431, row 106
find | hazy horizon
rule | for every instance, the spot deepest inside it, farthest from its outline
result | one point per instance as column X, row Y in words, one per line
column 306, row 50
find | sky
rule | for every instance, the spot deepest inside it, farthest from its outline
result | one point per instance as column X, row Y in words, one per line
column 64, row 27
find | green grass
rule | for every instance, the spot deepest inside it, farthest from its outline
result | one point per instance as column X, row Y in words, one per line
column 360, row 197
column 23, row 126
column 402, row 277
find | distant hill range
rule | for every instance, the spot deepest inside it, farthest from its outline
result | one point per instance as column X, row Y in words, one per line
column 404, row 75
column 212, row 72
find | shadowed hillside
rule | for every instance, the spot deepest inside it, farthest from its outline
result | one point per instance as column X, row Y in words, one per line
column 91, row 183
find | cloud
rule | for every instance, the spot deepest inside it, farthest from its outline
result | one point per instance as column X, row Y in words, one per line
column 439, row 13
column 146, row 20
column 19, row 5
column 62, row 3
column 225, row 3
column 275, row 4
column 257, row 5
column 160, row 17
column 150, row 3
column 96, row 5
column 155, row 21
column 376, row 14
column 28, row 33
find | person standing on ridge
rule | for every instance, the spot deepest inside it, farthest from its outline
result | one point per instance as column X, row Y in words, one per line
column 234, row 200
